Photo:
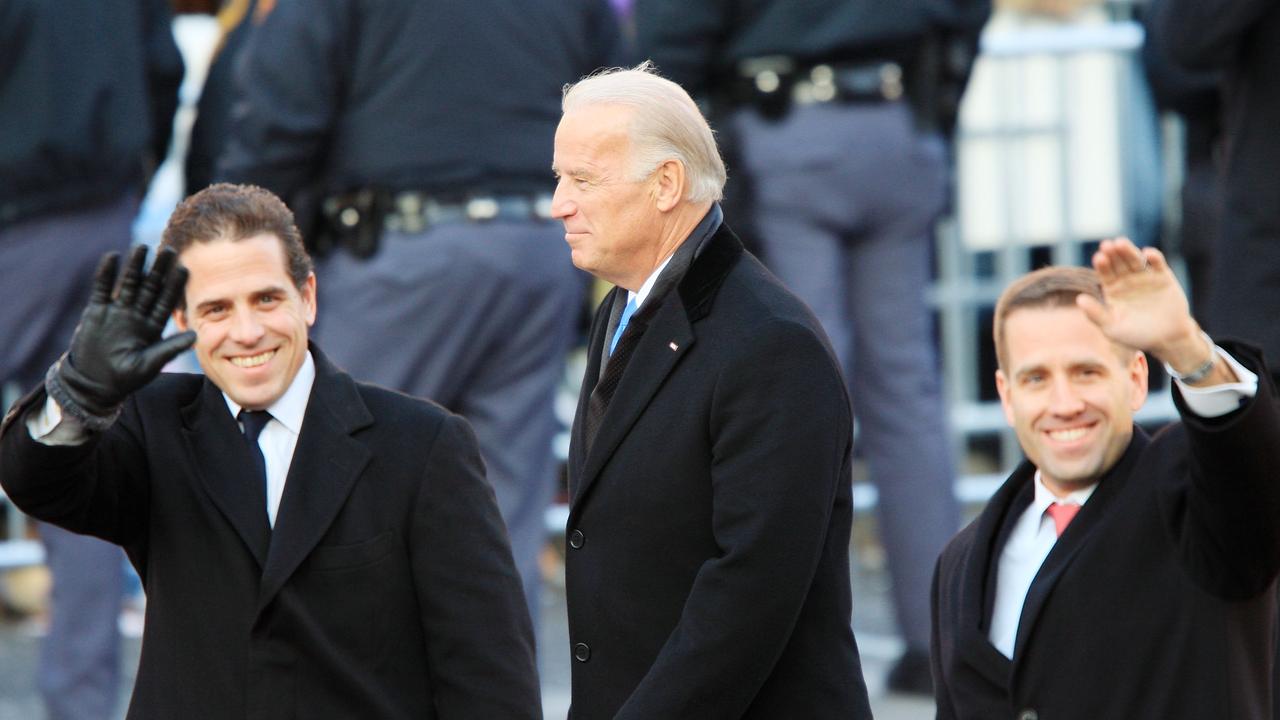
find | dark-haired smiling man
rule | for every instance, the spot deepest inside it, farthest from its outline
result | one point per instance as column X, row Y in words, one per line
column 310, row 546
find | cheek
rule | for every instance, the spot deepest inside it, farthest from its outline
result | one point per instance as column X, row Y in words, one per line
column 209, row 335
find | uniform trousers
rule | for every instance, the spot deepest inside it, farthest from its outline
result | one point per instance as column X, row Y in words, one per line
column 846, row 198
column 478, row 317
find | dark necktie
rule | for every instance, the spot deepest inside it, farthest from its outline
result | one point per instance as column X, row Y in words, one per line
column 254, row 421
column 602, row 395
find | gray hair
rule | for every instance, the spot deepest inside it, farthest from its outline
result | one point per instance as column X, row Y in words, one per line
column 666, row 124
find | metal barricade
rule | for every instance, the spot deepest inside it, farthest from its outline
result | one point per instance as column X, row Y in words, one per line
column 1053, row 147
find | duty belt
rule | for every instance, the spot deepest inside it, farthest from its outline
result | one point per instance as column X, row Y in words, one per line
column 414, row 212
column 355, row 221
column 774, row 83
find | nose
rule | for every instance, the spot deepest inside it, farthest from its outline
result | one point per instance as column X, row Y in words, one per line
column 245, row 328
column 1064, row 399
column 561, row 206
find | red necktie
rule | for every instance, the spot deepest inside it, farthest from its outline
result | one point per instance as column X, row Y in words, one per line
column 1062, row 513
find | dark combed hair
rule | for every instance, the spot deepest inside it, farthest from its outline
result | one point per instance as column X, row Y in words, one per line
column 237, row 212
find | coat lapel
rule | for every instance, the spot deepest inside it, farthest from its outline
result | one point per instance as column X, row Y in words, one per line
column 326, row 464
column 1075, row 537
column 221, row 461
column 977, row 581
column 666, row 340
column 595, row 349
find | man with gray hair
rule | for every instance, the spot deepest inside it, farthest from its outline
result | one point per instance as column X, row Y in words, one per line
column 708, row 535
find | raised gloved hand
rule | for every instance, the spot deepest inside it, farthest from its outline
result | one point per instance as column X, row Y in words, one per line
column 117, row 346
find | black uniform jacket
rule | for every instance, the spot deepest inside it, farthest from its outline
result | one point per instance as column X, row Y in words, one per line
column 1158, row 601
column 708, row 567
column 385, row 590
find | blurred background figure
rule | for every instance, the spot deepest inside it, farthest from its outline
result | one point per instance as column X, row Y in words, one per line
column 839, row 113
column 1196, row 97
column 420, row 137
column 87, row 96
column 1241, row 40
column 235, row 20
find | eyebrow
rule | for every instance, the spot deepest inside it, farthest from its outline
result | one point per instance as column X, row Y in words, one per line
column 577, row 172
column 269, row 290
column 1071, row 365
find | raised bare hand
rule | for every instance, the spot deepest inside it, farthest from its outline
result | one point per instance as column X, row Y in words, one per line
column 1145, row 306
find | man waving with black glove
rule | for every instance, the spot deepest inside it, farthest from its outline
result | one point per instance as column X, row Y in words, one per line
column 310, row 546
column 117, row 347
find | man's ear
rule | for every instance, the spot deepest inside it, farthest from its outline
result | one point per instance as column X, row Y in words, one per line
column 308, row 293
column 1140, row 377
column 1006, row 404
column 180, row 319
column 670, row 178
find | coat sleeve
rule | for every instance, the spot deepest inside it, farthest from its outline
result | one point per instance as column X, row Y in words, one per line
column 287, row 89
column 1223, row 507
column 164, row 75
column 98, row 488
column 780, row 432
column 474, row 615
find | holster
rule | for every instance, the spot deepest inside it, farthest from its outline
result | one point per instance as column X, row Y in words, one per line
column 351, row 221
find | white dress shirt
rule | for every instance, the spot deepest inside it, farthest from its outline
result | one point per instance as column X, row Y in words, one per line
column 1024, row 552
column 1033, row 536
column 280, row 435
column 649, row 282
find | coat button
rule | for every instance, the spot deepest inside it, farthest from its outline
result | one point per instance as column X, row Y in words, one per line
column 577, row 539
column 1028, row 715
column 581, row 652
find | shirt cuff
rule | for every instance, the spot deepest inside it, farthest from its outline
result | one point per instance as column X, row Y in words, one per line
column 51, row 427
column 1218, row 400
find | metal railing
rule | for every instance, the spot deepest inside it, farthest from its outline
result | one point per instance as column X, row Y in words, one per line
column 1050, row 133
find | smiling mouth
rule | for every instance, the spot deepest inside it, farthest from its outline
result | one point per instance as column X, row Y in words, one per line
column 253, row 361
column 1068, row 435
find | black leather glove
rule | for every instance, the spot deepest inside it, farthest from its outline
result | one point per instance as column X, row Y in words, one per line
column 117, row 347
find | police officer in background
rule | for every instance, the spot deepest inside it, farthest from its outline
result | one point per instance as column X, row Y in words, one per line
column 87, row 95
column 422, row 133
column 839, row 112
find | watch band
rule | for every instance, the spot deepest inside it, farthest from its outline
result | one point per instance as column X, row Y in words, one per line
column 1202, row 370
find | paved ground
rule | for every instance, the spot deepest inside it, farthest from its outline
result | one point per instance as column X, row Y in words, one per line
column 872, row 624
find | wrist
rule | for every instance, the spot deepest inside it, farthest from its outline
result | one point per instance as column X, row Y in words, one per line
column 1194, row 362
column 80, row 397
column 1186, row 349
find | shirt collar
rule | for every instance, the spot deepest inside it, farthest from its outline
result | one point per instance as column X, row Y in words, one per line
column 705, row 228
column 290, row 407
column 1044, row 497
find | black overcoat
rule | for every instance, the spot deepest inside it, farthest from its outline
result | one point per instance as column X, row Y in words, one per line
column 385, row 590
column 1158, row 601
column 708, row 558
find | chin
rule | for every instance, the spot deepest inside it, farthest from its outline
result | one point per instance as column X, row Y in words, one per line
column 256, row 399
column 1077, row 475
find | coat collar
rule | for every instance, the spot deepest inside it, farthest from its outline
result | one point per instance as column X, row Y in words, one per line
column 668, row 336
column 1078, row 534
column 982, row 560
column 326, row 463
